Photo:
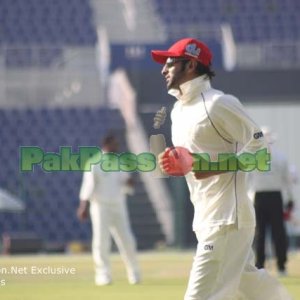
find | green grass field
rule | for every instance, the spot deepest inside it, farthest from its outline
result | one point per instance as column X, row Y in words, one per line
column 165, row 277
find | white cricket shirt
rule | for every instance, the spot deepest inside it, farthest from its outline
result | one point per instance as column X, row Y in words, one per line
column 277, row 179
column 205, row 120
column 105, row 187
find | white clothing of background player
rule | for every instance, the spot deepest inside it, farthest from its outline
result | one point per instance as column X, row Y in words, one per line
column 205, row 120
column 103, row 194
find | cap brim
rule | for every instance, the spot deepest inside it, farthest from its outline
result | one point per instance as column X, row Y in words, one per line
column 161, row 56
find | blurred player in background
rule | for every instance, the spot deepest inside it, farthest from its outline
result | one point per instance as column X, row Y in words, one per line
column 269, row 189
column 205, row 120
column 103, row 195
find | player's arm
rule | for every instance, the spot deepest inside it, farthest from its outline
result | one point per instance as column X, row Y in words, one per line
column 128, row 184
column 86, row 190
column 203, row 175
column 83, row 210
column 204, row 168
column 236, row 127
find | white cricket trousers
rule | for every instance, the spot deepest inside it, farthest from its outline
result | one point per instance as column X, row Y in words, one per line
column 114, row 220
column 223, row 268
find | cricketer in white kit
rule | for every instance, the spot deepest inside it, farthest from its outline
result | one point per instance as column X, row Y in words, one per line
column 103, row 193
column 205, row 120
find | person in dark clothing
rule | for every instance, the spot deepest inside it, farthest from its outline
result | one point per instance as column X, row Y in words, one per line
column 268, row 201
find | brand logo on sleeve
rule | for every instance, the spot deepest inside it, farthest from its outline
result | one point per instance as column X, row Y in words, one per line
column 258, row 135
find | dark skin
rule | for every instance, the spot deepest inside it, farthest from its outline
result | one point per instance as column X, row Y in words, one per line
column 84, row 205
column 175, row 75
column 83, row 210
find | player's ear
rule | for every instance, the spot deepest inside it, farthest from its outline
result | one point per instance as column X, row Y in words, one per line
column 191, row 65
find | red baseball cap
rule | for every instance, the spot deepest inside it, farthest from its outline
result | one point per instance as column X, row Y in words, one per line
column 189, row 48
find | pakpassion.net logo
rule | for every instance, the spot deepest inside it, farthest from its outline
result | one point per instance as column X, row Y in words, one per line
column 181, row 161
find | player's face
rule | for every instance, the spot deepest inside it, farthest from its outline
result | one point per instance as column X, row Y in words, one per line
column 174, row 72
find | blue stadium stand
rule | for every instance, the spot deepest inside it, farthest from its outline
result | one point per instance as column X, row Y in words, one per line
column 251, row 21
column 49, row 24
column 52, row 198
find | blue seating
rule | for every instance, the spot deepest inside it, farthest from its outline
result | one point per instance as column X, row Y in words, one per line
column 51, row 198
column 252, row 21
column 43, row 23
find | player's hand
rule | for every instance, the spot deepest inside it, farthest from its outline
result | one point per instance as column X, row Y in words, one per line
column 128, row 188
column 175, row 161
column 163, row 161
column 130, row 182
column 83, row 210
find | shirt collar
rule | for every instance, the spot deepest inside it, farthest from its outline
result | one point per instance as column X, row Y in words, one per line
column 190, row 89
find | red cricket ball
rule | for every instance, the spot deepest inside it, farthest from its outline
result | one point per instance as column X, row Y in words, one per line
column 180, row 161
